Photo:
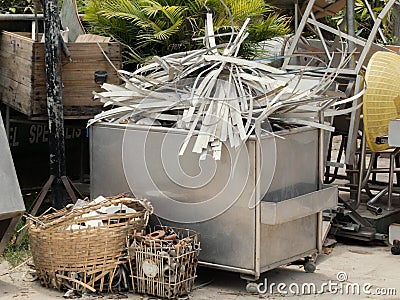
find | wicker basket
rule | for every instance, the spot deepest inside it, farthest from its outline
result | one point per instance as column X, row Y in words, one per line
column 165, row 267
column 68, row 255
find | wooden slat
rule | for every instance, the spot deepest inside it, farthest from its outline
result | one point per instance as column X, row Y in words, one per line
column 83, row 51
column 16, row 68
column 16, row 94
column 22, row 74
column 16, row 44
column 85, row 38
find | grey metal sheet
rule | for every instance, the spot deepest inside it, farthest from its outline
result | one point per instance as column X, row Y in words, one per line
column 291, row 169
column 394, row 133
column 11, row 202
column 298, row 207
column 145, row 161
column 284, row 241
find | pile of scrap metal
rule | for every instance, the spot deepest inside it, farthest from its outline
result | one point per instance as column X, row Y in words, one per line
column 349, row 222
column 219, row 97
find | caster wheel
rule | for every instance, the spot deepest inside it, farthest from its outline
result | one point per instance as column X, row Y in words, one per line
column 252, row 287
column 395, row 250
column 310, row 267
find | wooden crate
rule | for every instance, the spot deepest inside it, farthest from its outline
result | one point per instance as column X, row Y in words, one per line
column 23, row 77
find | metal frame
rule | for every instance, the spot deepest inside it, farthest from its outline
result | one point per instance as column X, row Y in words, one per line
column 308, row 18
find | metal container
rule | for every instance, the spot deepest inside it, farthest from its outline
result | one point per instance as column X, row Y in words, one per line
column 11, row 202
column 257, row 208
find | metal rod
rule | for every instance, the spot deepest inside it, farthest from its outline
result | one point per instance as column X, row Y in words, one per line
column 322, row 38
column 369, row 169
column 25, row 17
column 372, row 188
column 298, row 33
column 296, row 15
column 226, row 268
column 354, row 125
column 374, row 171
column 361, row 173
column 391, row 174
column 321, row 171
column 8, row 123
column 337, row 32
column 36, row 21
column 350, row 23
column 370, row 203
column 258, row 160
column 54, row 100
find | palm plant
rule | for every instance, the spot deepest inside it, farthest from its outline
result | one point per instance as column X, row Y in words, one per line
column 160, row 27
column 364, row 21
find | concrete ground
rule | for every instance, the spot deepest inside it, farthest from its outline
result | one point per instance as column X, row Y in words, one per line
column 372, row 268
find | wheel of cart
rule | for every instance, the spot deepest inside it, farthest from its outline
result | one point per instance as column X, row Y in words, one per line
column 252, row 287
column 308, row 262
column 309, row 265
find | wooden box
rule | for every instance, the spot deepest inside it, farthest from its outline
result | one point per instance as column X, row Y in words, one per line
column 23, row 77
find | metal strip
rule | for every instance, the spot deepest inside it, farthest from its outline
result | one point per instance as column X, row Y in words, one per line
column 337, row 32
column 298, row 32
column 227, row 268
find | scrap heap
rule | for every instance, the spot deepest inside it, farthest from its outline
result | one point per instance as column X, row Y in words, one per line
column 218, row 96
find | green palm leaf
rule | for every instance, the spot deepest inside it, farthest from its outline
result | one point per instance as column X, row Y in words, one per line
column 159, row 27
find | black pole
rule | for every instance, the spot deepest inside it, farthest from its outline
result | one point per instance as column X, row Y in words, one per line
column 54, row 100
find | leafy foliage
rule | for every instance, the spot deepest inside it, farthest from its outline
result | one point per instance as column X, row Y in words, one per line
column 160, row 27
column 364, row 21
column 16, row 6
column 15, row 253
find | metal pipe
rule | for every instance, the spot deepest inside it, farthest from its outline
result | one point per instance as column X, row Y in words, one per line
column 36, row 22
column 370, row 203
column 321, row 172
column 226, row 268
column 361, row 173
column 369, row 170
column 8, row 123
column 296, row 15
column 350, row 22
column 257, row 195
column 26, row 17
column 299, row 31
column 391, row 174
column 328, row 54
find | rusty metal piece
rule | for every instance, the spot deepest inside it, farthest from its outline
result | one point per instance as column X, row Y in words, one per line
column 159, row 234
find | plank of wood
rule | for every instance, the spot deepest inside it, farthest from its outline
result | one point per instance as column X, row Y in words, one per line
column 16, row 95
column 16, row 68
column 88, row 37
column 16, row 44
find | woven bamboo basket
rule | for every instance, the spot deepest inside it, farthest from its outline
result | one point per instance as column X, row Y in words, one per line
column 68, row 255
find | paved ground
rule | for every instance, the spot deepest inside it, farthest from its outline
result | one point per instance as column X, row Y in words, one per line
column 370, row 267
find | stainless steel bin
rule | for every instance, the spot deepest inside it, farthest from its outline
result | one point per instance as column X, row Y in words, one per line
column 252, row 232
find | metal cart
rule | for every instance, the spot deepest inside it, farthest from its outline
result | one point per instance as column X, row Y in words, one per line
column 244, row 235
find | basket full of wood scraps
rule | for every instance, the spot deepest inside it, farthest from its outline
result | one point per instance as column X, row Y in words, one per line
column 83, row 246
